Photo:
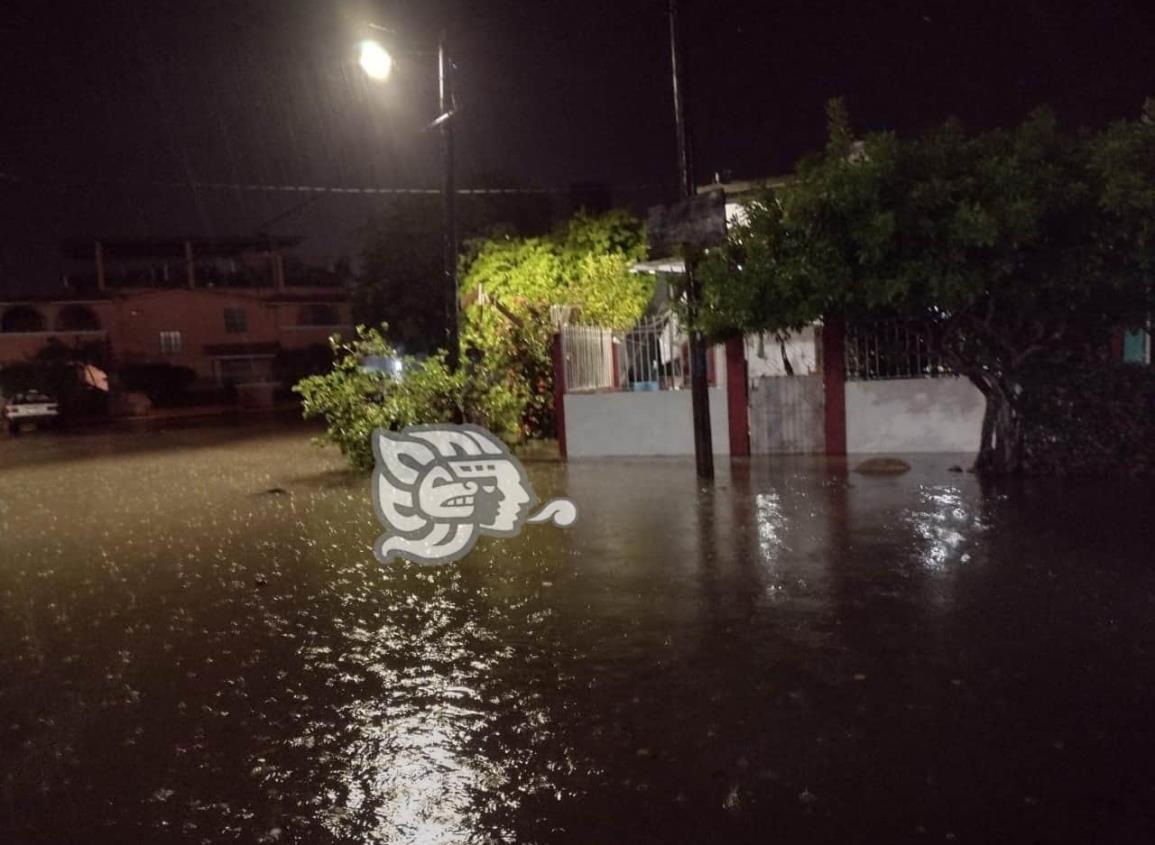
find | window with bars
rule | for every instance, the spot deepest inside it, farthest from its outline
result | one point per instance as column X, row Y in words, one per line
column 170, row 343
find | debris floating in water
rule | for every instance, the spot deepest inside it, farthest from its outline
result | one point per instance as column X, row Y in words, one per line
column 883, row 466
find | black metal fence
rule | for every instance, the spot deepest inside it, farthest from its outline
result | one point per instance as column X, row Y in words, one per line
column 893, row 349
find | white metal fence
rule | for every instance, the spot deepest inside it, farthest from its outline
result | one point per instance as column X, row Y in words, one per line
column 589, row 356
column 654, row 356
column 651, row 356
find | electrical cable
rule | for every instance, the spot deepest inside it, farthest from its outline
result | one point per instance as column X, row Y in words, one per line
column 370, row 190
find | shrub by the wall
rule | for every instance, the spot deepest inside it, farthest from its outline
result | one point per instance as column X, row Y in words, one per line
column 1093, row 420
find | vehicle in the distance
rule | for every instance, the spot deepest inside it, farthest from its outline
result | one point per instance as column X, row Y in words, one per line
column 31, row 406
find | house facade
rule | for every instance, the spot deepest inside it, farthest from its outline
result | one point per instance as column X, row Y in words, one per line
column 828, row 389
column 224, row 309
column 831, row 388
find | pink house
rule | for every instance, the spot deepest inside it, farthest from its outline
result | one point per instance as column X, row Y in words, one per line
column 222, row 308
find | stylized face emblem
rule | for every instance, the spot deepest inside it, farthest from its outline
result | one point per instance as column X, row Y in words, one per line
column 437, row 488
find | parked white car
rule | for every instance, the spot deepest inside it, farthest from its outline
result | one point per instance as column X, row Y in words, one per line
column 28, row 407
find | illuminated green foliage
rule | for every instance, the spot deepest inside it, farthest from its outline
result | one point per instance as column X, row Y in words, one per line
column 505, row 381
column 359, row 395
column 510, row 285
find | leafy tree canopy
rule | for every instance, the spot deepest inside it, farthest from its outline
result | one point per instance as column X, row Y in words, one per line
column 402, row 262
column 510, row 285
column 1016, row 247
column 584, row 264
column 1023, row 235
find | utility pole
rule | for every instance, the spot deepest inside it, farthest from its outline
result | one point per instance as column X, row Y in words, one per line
column 699, row 389
column 446, row 107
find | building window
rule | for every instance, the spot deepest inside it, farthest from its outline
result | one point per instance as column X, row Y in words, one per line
column 236, row 320
column 170, row 343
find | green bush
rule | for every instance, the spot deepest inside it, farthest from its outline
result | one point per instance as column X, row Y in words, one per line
column 354, row 399
column 1090, row 420
column 511, row 284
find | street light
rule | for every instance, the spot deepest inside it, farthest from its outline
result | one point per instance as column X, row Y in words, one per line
column 377, row 63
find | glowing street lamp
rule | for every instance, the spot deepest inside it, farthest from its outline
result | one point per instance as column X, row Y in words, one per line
column 376, row 61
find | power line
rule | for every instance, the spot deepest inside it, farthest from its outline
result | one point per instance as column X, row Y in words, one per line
column 256, row 187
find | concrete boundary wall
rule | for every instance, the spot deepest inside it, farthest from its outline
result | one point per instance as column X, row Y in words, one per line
column 640, row 423
column 913, row 415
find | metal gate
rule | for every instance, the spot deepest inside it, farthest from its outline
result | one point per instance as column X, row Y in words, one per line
column 787, row 415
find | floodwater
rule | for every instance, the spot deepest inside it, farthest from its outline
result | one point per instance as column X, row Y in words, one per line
column 797, row 654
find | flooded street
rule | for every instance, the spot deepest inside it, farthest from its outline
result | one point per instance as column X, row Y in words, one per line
column 197, row 645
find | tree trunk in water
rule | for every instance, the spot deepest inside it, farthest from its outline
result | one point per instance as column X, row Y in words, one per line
column 1000, row 452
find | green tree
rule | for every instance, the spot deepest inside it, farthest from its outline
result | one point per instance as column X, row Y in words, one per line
column 1016, row 248
column 361, row 393
column 402, row 261
column 511, row 287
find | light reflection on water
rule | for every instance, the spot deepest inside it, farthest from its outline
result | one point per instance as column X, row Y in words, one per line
column 407, row 773
column 942, row 520
column 768, row 509
column 189, row 657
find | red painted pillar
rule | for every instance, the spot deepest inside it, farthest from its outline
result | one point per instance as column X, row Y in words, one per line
column 737, row 396
column 615, row 362
column 834, row 379
column 1116, row 345
column 559, row 393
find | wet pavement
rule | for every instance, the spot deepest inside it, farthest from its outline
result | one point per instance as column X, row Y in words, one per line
column 798, row 654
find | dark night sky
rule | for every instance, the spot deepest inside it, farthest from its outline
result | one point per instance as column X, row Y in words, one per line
column 102, row 98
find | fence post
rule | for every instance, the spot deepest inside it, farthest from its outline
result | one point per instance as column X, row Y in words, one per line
column 559, row 392
column 834, row 382
column 737, row 397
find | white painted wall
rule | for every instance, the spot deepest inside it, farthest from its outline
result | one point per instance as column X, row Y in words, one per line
column 655, row 422
column 913, row 415
column 764, row 355
column 736, row 214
